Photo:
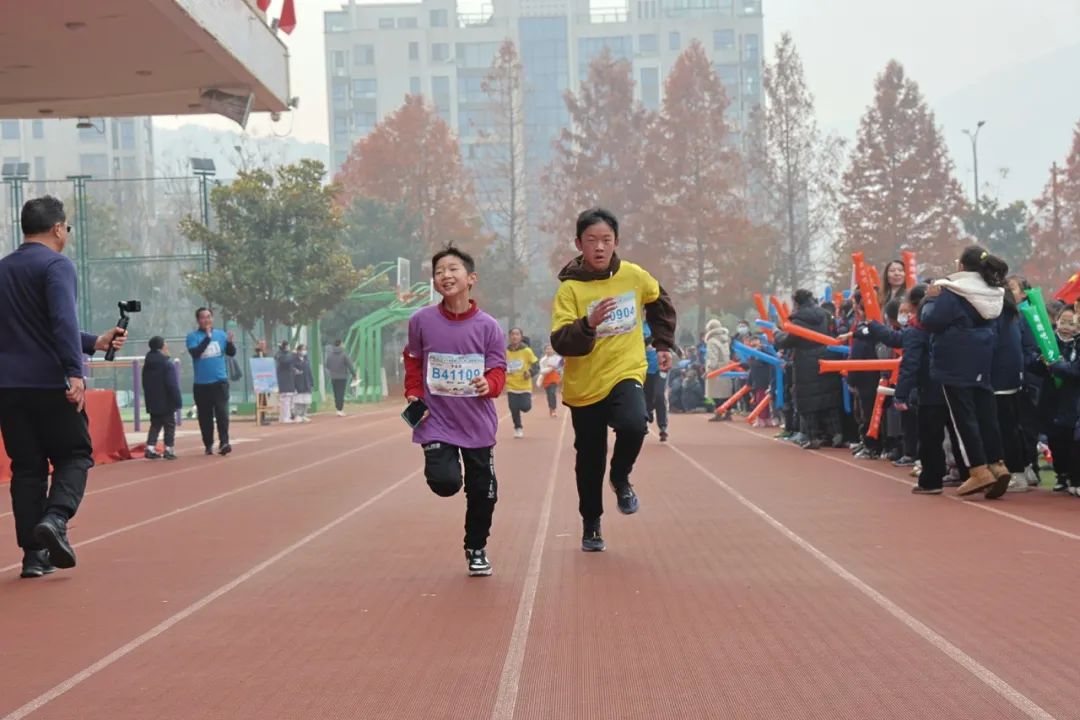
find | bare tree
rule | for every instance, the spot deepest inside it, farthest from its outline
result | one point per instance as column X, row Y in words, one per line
column 796, row 171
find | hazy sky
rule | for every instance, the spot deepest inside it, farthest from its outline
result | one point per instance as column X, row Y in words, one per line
column 945, row 45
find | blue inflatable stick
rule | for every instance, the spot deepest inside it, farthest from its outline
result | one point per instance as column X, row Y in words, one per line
column 828, row 293
column 847, row 395
column 839, row 349
column 780, row 387
column 734, row 374
column 766, row 324
column 847, row 294
column 748, row 352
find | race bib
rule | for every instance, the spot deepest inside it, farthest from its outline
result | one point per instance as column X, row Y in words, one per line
column 622, row 319
column 515, row 366
column 452, row 375
column 212, row 350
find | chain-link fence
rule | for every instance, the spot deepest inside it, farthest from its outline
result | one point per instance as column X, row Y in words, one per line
column 126, row 245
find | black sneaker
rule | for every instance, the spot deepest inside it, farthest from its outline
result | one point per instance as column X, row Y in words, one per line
column 627, row 498
column 151, row 454
column 52, row 533
column 225, row 449
column 905, row 461
column 663, row 436
column 36, row 563
column 920, row 490
column 209, row 450
column 591, row 540
column 169, row 455
column 1062, row 484
column 479, row 565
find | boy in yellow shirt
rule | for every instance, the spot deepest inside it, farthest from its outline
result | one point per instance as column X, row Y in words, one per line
column 521, row 366
column 596, row 326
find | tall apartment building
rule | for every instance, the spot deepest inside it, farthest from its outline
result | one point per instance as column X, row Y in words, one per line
column 376, row 54
column 112, row 148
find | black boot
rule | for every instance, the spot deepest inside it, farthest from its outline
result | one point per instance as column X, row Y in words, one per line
column 52, row 533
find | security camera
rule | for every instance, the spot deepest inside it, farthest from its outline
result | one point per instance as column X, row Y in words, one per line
column 275, row 116
column 294, row 102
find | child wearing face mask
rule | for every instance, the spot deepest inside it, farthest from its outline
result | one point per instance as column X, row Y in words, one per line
column 305, row 383
column 1058, row 405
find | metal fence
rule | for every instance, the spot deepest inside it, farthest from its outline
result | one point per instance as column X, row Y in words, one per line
column 126, row 245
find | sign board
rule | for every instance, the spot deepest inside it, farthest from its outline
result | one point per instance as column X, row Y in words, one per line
column 264, row 375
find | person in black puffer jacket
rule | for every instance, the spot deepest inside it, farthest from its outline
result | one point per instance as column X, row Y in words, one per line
column 960, row 313
column 817, row 394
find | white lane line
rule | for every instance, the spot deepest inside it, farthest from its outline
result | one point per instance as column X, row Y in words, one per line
column 81, row 676
column 1018, row 700
column 510, row 678
column 984, row 506
column 221, row 461
column 215, row 498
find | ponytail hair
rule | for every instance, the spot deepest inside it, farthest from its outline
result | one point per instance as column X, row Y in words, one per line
column 993, row 269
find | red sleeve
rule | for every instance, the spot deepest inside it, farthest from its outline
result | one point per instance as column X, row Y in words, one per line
column 496, row 378
column 414, row 376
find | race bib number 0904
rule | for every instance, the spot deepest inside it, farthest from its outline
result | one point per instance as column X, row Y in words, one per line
column 622, row 319
column 453, row 375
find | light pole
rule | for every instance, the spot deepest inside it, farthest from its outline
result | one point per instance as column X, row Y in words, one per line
column 974, row 137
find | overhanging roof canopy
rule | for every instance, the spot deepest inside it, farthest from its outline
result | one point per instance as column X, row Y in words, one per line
column 72, row 58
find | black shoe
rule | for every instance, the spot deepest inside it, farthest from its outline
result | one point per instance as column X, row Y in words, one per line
column 169, row 455
column 663, row 436
column 225, row 449
column 810, row 445
column 151, row 454
column 905, row 461
column 52, row 533
column 919, row 490
column 591, row 540
column 36, row 563
column 628, row 500
column 209, row 450
column 479, row 565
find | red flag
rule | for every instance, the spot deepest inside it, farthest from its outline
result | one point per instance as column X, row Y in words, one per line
column 287, row 21
column 264, row 5
column 1070, row 291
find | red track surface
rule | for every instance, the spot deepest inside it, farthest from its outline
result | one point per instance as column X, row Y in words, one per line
column 312, row 575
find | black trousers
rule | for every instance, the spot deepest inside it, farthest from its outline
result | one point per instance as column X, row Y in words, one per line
column 41, row 427
column 520, row 402
column 212, row 402
column 166, row 422
column 442, row 469
column 339, row 392
column 865, row 396
column 931, row 433
column 1066, row 453
column 624, row 410
column 909, row 422
column 656, row 399
column 974, row 415
column 552, row 396
column 1012, row 434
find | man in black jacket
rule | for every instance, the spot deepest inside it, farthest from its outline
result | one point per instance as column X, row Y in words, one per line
column 162, row 392
column 42, row 393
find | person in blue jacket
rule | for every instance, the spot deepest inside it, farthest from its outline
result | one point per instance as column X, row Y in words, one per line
column 161, row 390
column 960, row 313
column 1059, row 407
column 208, row 348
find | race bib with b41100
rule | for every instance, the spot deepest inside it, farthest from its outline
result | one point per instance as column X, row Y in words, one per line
column 453, row 375
column 622, row 319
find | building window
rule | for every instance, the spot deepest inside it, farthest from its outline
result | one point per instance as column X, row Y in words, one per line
column 723, row 39
column 440, row 18
column 386, row 23
column 476, row 55
column 647, row 44
column 751, row 7
column 589, row 49
column 336, row 21
column 440, row 95
column 337, row 60
column 406, row 23
column 339, row 90
column 39, row 168
column 363, row 55
column 471, row 90
column 414, row 85
column 364, row 122
column 440, row 52
column 364, row 89
column 414, row 51
column 127, row 134
column 9, row 129
column 729, row 77
column 751, row 49
column 37, row 129
column 650, row 87
column 674, row 40
column 94, row 164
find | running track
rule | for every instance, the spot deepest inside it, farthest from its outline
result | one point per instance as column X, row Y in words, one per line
column 312, row 575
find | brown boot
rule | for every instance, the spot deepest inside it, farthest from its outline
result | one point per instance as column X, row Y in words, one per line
column 979, row 479
column 1002, row 477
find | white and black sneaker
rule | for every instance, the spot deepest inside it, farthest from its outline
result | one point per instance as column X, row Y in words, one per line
column 591, row 539
column 479, row 565
column 627, row 498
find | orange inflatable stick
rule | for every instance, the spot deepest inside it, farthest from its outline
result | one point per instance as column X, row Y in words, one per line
column 730, row 402
column 826, row 366
column 756, row 412
column 781, row 310
column 866, row 288
column 727, row 368
column 911, row 269
column 799, row 331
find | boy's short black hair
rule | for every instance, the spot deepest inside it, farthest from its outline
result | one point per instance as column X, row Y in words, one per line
column 41, row 214
column 892, row 309
column 595, row 215
column 803, row 297
column 201, row 310
column 157, row 342
column 451, row 251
